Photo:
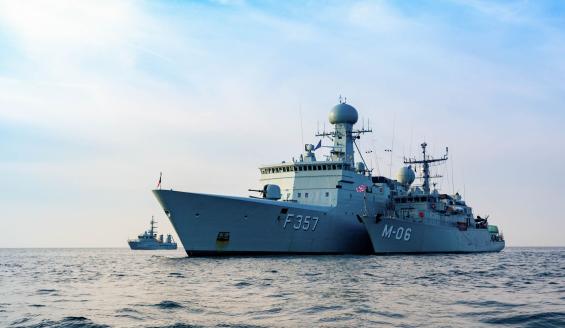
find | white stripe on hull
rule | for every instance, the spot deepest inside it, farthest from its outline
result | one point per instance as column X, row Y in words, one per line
column 260, row 226
column 400, row 236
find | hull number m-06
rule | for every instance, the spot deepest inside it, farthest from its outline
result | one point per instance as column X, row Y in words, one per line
column 304, row 222
column 399, row 233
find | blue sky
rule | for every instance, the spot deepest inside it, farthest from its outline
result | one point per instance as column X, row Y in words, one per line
column 97, row 98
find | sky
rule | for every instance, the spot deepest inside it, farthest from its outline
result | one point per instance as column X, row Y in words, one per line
column 97, row 98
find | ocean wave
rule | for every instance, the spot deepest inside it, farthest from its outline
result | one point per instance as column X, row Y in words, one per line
column 489, row 303
column 242, row 284
column 540, row 319
column 168, row 305
column 238, row 325
column 322, row 308
column 46, row 291
column 178, row 325
column 66, row 322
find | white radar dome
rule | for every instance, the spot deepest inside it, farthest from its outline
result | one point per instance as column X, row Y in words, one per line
column 406, row 175
column 343, row 113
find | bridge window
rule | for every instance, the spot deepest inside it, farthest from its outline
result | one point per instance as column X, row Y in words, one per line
column 327, row 194
column 299, row 195
column 305, row 195
column 319, row 167
column 339, row 166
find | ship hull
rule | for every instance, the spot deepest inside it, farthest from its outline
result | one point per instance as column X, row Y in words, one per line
column 135, row 245
column 400, row 236
column 209, row 225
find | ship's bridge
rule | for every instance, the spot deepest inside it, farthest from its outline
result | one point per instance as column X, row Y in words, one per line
column 316, row 183
column 309, row 181
column 304, row 166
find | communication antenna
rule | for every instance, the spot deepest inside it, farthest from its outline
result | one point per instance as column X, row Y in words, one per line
column 452, row 177
column 376, row 157
column 464, row 193
column 411, row 135
column 392, row 146
column 301, row 128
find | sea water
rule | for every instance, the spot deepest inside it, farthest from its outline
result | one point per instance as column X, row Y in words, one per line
column 523, row 287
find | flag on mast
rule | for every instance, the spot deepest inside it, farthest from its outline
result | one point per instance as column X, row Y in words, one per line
column 159, row 183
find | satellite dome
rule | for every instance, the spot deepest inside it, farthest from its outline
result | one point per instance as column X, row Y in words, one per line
column 406, row 175
column 343, row 113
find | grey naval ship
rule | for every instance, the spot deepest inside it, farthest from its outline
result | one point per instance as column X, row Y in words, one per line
column 306, row 205
column 417, row 220
column 317, row 206
column 148, row 240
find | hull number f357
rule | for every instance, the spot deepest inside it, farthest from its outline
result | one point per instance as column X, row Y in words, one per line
column 399, row 233
column 304, row 222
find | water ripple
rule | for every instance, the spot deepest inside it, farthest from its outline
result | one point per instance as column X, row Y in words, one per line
column 168, row 305
column 121, row 288
column 540, row 319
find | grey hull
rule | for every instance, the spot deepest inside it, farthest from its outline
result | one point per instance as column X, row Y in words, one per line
column 402, row 236
column 224, row 225
column 147, row 246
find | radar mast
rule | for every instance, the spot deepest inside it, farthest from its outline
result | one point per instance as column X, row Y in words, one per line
column 153, row 231
column 343, row 116
column 425, row 162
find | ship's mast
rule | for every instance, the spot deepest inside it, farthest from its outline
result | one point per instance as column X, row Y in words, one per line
column 425, row 162
column 343, row 117
column 152, row 230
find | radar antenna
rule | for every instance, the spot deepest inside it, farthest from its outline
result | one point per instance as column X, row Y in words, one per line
column 425, row 162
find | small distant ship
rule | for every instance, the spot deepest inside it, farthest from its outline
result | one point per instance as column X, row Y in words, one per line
column 148, row 240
